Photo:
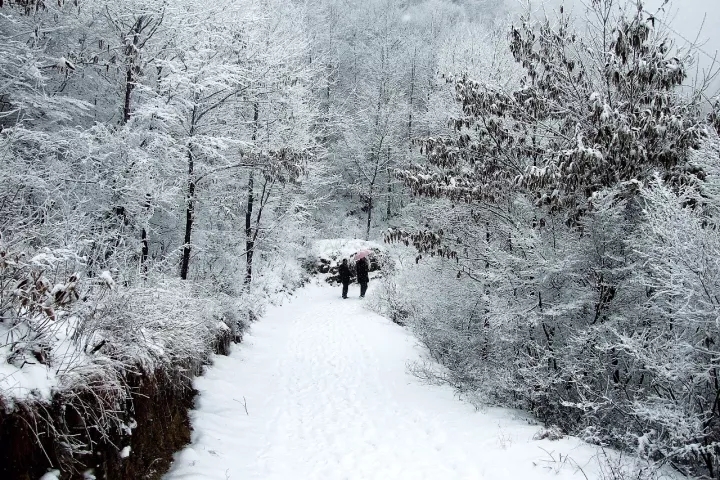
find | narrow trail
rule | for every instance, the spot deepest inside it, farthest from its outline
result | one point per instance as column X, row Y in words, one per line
column 319, row 390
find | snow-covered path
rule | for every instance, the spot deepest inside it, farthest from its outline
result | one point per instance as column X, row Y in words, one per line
column 327, row 394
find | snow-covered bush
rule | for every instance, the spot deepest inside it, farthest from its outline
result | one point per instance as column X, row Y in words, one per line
column 610, row 330
column 576, row 223
column 63, row 331
column 37, row 295
column 449, row 317
column 675, row 347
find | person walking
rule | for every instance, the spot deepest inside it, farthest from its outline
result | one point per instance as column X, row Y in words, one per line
column 344, row 272
column 361, row 267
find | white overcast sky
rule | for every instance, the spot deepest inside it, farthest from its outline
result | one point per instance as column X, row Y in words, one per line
column 692, row 17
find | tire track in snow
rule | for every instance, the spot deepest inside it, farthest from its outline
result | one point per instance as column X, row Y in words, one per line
column 328, row 397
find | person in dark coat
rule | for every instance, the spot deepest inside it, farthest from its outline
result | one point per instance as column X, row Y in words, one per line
column 344, row 271
column 361, row 267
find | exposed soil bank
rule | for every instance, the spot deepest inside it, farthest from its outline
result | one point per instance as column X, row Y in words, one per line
column 153, row 406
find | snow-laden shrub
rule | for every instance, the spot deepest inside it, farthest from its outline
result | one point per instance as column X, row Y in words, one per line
column 58, row 328
column 610, row 328
column 72, row 348
column 553, row 432
column 37, row 294
column 676, row 346
column 448, row 316
column 159, row 326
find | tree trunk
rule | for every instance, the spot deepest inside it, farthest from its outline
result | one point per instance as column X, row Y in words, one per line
column 130, row 70
column 145, row 251
column 249, row 242
column 410, row 100
column 249, row 239
column 389, row 195
column 129, row 87
column 189, row 216
column 369, row 216
column 389, row 187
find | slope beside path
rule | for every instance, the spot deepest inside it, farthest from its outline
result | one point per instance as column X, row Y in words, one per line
column 319, row 390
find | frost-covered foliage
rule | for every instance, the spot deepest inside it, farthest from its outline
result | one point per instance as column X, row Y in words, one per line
column 589, row 112
column 609, row 333
column 576, row 223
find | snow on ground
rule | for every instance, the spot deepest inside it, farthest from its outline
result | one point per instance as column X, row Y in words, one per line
column 24, row 378
column 23, row 375
column 319, row 390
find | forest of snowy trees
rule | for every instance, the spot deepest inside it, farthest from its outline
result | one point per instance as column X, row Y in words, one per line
column 549, row 181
